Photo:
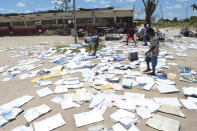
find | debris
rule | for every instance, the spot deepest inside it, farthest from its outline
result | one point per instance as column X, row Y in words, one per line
column 23, row 128
column 36, row 112
column 188, row 104
column 44, row 92
column 162, row 123
column 87, row 118
column 173, row 101
column 174, row 110
column 49, row 123
column 99, row 128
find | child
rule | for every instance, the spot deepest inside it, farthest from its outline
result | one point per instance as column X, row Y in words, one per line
column 152, row 53
column 131, row 35
column 95, row 40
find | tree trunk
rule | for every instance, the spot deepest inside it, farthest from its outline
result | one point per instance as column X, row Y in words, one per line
column 148, row 19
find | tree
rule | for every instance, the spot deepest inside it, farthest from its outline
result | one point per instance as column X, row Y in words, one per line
column 62, row 5
column 150, row 6
column 175, row 19
column 194, row 6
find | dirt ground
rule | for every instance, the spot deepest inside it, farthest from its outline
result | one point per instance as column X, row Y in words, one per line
column 16, row 88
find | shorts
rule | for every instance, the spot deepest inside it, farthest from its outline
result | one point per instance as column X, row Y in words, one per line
column 153, row 60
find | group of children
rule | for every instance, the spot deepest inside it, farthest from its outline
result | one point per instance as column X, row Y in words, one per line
column 151, row 54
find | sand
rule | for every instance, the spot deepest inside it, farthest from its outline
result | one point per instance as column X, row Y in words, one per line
column 16, row 88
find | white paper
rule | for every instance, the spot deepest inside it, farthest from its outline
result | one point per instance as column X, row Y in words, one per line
column 36, row 112
column 162, row 123
column 143, row 112
column 143, row 79
column 192, row 99
column 188, row 104
column 49, row 123
column 165, row 88
column 190, row 91
column 3, row 121
column 173, row 101
column 23, row 128
column 44, row 92
column 148, row 86
column 118, row 127
column 61, row 89
column 87, row 118
column 121, row 114
column 67, row 104
column 130, row 96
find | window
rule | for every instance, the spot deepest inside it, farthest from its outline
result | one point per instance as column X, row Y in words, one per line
column 48, row 22
column 4, row 24
column 18, row 23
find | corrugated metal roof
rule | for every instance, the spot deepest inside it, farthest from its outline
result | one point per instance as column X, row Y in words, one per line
column 124, row 8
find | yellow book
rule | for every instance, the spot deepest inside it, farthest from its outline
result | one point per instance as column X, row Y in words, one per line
column 36, row 79
column 106, row 87
column 57, row 72
column 47, row 76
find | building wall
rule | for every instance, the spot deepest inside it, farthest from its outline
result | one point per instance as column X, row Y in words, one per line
column 65, row 19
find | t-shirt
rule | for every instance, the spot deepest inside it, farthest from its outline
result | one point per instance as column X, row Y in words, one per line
column 154, row 43
column 92, row 39
column 145, row 30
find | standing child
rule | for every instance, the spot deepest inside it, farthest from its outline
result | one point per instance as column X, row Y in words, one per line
column 131, row 35
column 95, row 40
column 152, row 53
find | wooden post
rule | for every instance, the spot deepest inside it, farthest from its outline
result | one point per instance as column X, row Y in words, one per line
column 75, row 21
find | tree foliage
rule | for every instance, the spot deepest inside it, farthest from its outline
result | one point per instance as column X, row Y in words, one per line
column 62, row 5
column 150, row 6
column 194, row 6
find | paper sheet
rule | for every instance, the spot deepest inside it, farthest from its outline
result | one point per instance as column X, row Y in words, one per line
column 188, row 104
column 67, row 104
column 49, row 123
column 165, row 88
column 174, row 110
column 61, row 89
column 162, row 123
column 173, row 101
column 44, row 92
column 144, row 113
column 23, row 128
column 36, row 112
column 87, row 118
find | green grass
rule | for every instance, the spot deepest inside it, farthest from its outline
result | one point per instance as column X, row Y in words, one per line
column 176, row 24
column 60, row 48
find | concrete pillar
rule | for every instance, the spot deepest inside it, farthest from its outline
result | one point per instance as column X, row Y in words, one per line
column 93, row 17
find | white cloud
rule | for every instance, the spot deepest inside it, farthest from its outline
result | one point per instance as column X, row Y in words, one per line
column 106, row 3
column 166, row 3
column 12, row 11
column 2, row 9
column 28, row 11
column 56, row 2
column 120, row 1
column 90, row 0
column 182, row 0
column 176, row 6
column 131, row 1
column 20, row 4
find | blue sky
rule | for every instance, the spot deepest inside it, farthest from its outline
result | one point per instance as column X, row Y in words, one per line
column 171, row 8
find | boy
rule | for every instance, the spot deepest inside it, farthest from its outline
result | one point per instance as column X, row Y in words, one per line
column 145, row 37
column 152, row 53
column 95, row 40
column 131, row 35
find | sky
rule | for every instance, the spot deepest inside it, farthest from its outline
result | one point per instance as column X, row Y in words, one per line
column 171, row 8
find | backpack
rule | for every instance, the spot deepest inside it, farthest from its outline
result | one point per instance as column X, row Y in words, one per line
column 151, row 31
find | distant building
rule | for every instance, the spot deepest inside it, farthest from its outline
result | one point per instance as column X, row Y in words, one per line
column 23, row 24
